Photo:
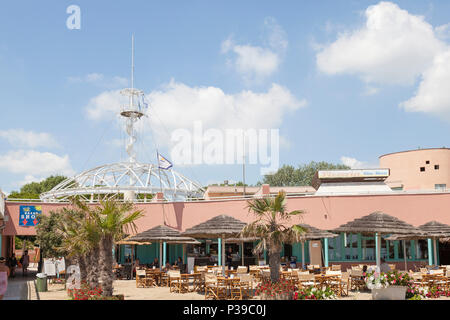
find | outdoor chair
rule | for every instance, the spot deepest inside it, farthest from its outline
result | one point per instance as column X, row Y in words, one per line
column 235, row 289
column 306, row 280
column 357, row 280
column 174, row 281
column 255, row 272
column 200, row 269
column 241, row 269
column 336, row 267
column 345, row 283
column 210, row 281
column 164, row 280
column 265, row 275
column 222, row 288
column 303, row 272
column 334, row 283
column 140, row 278
column 149, row 278
column 246, row 285
column 417, row 278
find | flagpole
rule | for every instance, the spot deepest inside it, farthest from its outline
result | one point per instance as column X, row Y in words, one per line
column 243, row 161
column 160, row 186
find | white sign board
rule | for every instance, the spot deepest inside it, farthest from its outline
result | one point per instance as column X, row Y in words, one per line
column 60, row 265
column 190, row 264
column 356, row 173
column 49, row 267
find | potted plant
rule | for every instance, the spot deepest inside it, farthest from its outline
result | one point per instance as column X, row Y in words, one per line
column 388, row 286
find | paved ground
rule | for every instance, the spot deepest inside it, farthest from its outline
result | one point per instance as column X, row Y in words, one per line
column 24, row 288
column 20, row 287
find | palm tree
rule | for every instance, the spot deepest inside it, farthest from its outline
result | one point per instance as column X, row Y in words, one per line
column 113, row 220
column 90, row 235
column 70, row 227
column 271, row 227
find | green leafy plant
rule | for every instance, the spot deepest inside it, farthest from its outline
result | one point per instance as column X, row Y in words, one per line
column 312, row 293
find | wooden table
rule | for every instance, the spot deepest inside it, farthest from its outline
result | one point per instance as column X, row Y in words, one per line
column 324, row 278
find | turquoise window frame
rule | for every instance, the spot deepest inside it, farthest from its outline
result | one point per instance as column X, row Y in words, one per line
column 340, row 239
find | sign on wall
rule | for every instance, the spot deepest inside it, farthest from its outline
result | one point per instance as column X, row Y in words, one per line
column 29, row 216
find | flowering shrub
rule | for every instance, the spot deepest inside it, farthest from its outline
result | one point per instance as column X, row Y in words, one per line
column 312, row 293
column 435, row 292
column 396, row 278
column 85, row 293
column 275, row 290
column 375, row 280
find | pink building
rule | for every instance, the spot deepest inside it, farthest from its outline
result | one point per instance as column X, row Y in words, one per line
column 321, row 211
column 422, row 169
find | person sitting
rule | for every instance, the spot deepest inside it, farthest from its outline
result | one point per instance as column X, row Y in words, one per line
column 167, row 267
column 155, row 263
column 179, row 264
column 384, row 267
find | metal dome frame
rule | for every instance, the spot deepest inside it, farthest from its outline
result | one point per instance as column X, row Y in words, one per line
column 115, row 178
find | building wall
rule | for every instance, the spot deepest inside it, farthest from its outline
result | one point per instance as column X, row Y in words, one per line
column 324, row 212
column 405, row 168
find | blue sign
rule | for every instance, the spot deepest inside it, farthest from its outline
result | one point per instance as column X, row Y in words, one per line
column 29, row 216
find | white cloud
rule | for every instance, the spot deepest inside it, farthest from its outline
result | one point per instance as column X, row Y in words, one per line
column 443, row 32
column 105, row 105
column 35, row 164
column 178, row 106
column 100, row 80
column 356, row 164
column 256, row 63
column 370, row 91
column 22, row 138
column 393, row 47
column 433, row 94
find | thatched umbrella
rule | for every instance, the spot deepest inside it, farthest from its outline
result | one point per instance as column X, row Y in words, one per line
column 221, row 227
column 127, row 241
column 435, row 230
column 312, row 233
column 163, row 234
column 378, row 223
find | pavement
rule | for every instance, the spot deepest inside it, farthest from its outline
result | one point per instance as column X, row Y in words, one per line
column 21, row 287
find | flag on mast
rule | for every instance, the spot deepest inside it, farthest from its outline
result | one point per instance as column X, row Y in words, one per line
column 163, row 163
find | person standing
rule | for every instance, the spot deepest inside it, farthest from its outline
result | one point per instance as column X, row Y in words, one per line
column 4, row 274
column 25, row 261
column 12, row 264
column 229, row 258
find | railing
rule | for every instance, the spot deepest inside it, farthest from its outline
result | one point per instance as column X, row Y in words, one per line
column 249, row 197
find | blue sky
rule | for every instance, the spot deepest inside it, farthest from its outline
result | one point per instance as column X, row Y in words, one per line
column 353, row 79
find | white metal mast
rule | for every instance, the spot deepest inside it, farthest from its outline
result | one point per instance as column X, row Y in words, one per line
column 132, row 113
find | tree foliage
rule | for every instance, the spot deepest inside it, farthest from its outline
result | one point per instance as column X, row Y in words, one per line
column 47, row 235
column 32, row 190
column 272, row 227
column 287, row 175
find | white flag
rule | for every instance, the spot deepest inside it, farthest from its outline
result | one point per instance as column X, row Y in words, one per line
column 164, row 163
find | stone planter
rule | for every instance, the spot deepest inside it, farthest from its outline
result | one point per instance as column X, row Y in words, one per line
column 281, row 296
column 389, row 293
